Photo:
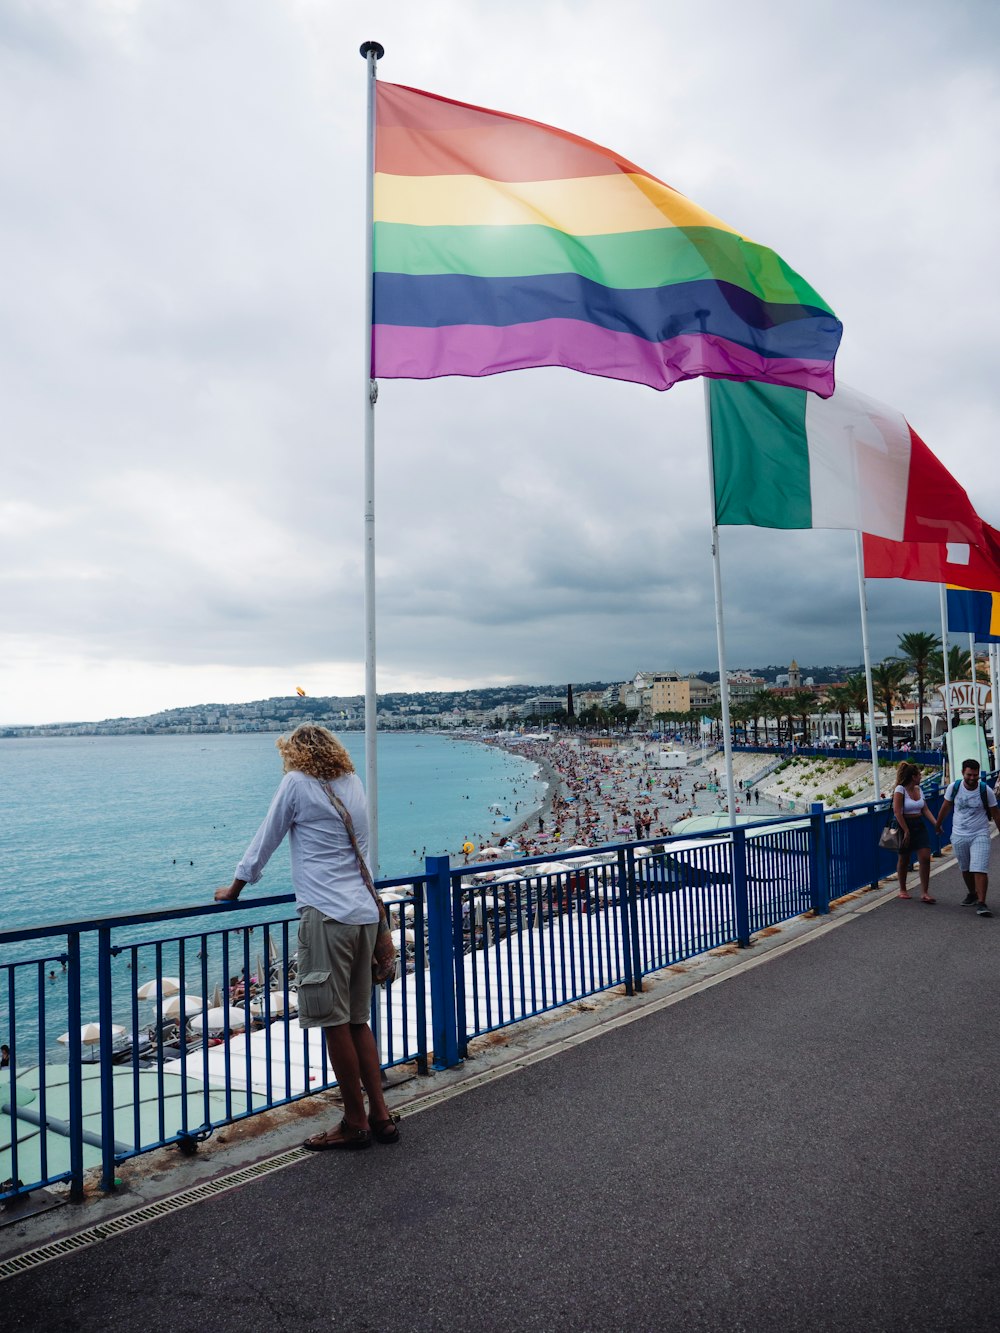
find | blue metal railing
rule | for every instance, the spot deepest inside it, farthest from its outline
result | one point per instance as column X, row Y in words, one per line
column 483, row 948
column 855, row 753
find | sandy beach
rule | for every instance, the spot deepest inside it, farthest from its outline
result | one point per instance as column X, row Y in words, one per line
column 607, row 794
column 600, row 794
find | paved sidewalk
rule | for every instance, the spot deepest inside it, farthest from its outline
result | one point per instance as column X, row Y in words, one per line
column 810, row 1144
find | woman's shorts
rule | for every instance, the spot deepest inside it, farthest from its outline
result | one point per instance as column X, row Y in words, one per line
column 919, row 839
column 334, row 970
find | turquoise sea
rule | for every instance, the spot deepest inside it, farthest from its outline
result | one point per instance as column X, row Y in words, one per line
column 102, row 826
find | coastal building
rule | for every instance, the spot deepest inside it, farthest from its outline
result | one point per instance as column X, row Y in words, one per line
column 652, row 692
column 634, row 694
column 703, row 693
column 670, row 693
column 743, row 686
column 584, row 699
column 542, row 705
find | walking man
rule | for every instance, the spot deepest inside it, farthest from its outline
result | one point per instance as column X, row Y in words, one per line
column 974, row 805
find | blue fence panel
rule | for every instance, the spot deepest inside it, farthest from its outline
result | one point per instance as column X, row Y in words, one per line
column 778, row 873
column 686, row 900
column 537, row 939
column 41, row 1140
column 852, row 842
column 156, row 1065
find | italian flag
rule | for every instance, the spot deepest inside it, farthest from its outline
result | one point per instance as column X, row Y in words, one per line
column 785, row 458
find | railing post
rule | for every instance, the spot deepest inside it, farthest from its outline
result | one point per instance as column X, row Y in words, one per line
column 628, row 909
column 819, row 861
column 420, row 970
column 874, row 816
column 441, row 959
column 741, row 891
column 74, row 1016
column 933, row 795
column 104, row 998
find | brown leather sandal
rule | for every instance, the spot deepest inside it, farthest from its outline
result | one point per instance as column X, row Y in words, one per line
column 343, row 1137
column 385, row 1130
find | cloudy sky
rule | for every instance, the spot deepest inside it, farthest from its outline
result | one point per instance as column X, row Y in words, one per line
column 181, row 361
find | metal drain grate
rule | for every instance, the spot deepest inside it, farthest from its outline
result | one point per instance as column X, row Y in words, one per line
column 22, row 1263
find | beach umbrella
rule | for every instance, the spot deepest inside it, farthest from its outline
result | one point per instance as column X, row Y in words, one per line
column 395, row 896
column 164, row 986
column 90, row 1034
column 171, row 1008
column 273, row 952
column 217, row 997
column 276, row 1004
column 492, row 851
column 214, row 1020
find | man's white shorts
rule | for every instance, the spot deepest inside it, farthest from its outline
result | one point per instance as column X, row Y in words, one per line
column 973, row 854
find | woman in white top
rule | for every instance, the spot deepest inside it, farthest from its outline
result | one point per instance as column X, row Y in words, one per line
column 338, row 921
column 910, row 810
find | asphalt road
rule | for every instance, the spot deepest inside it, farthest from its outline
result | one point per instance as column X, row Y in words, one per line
column 809, row 1145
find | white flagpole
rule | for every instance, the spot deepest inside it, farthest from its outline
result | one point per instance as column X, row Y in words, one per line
column 995, row 688
column 720, row 635
column 947, row 680
column 975, row 689
column 372, row 53
column 863, row 600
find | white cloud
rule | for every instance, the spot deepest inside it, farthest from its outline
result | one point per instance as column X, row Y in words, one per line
column 181, row 192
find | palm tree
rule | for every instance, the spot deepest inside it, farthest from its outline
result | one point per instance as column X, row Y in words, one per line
column 772, row 707
column 917, row 650
column 855, row 690
column 890, row 688
column 825, row 707
column 837, row 701
column 768, row 705
column 959, row 665
column 789, row 710
column 714, row 711
column 754, row 704
column 802, row 703
column 740, row 714
column 959, row 668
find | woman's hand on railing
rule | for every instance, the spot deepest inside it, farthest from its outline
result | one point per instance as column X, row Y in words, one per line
column 228, row 893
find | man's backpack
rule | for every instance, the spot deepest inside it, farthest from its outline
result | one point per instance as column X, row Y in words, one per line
column 953, row 789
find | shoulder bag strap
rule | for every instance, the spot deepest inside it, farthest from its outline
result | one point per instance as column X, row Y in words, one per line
column 366, row 874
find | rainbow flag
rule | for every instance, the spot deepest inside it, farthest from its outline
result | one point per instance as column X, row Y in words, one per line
column 501, row 243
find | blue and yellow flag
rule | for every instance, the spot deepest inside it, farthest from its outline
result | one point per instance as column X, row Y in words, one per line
column 976, row 613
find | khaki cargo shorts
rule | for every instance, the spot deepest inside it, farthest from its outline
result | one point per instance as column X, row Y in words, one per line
column 335, row 970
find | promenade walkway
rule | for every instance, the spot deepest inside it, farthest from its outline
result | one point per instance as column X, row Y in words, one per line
column 811, row 1144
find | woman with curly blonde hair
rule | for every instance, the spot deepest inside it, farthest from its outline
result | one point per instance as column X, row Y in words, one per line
column 338, row 921
column 315, row 751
